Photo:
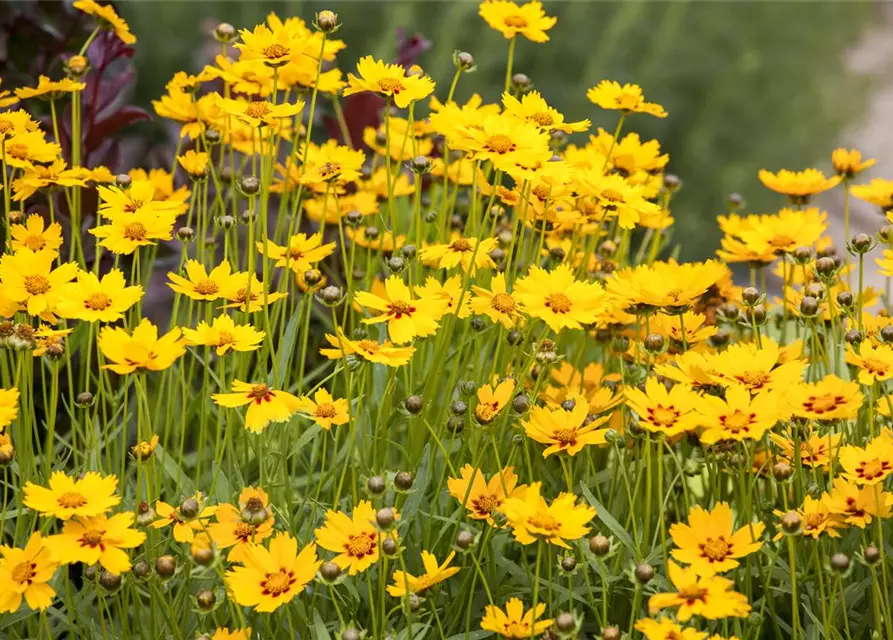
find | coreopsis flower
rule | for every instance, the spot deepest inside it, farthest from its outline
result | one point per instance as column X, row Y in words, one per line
column 814, row 451
column 274, row 47
column 235, row 634
column 496, row 302
column 434, row 574
column 869, row 465
column 26, row 148
column 483, row 497
column 330, row 163
column 99, row 539
column 785, row 231
column 407, row 316
column 260, row 113
column 271, row 578
column 302, row 253
column 248, row 77
column 532, row 518
column 669, row 286
column 661, row 411
column 711, row 597
column 355, row 538
column 9, row 407
column 29, row 279
column 35, row 234
column 163, row 181
column 565, row 431
column 848, row 162
column 46, row 336
column 857, row 505
column 13, row 123
column 265, row 405
column 195, row 164
column 224, row 335
column 238, row 527
column 389, row 80
column 558, row 299
column 45, row 177
column 615, row 197
column 369, row 350
column 492, row 400
column 459, row 252
column 195, row 114
column 51, row 89
column 511, row 20
column 739, row 416
column 92, row 299
column 144, row 449
column 666, row 629
column 532, row 107
column 756, row 368
column 514, row 622
column 26, row 573
column 878, row 192
column 199, row 284
column 7, row 99
column 406, row 140
column 66, row 497
column 107, row 18
column 185, row 526
column 709, row 543
column 141, row 350
column 798, row 186
column 831, row 398
column 450, row 291
column 509, row 144
column 697, row 329
column 325, row 410
column 628, row 98
column 383, row 242
column 251, row 295
column 875, row 363
column 817, row 519
column 135, row 223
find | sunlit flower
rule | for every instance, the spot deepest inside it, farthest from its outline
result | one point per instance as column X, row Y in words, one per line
column 66, row 497
column 224, row 335
column 407, row 316
column 878, row 192
column 389, row 80
column 496, row 303
column 559, row 299
column 814, row 451
column 450, row 291
column 514, row 622
column 271, row 578
column 52, row 89
column 325, row 410
column 533, row 108
column 848, row 162
column 195, row 164
column 739, row 416
column 483, row 497
column 710, row 544
column 330, row 163
column 756, row 368
column 195, row 114
column 460, row 252
column 492, row 400
column 875, row 363
column 799, row 186
column 711, row 598
column 25, row 573
column 434, row 574
column 303, row 252
column 260, row 113
column 265, row 405
column 238, row 527
column 251, row 294
column 274, row 47
column 369, row 350
column 670, row 286
column 92, row 299
column 831, row 398
column 609, row 94
column 869, row 465
column 30, row 280
column 99, row 539
column 25, row 148
column 528, row 20
column 532, row 518
column 46, row 177
column 235, row 634
column 199, row 284
column 355, row 538
column 145, row 449
column 857, row 505
column 7, row 99
column 140, row 350
column 565, row 431
column 816, row 519
column 9, row 407
column 185, row 527
column 661, row 411
column 107, row 18
column 35, row 234
column 666, row 629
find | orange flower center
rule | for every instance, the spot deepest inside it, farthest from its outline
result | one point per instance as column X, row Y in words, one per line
column 6, row 126
column 71, row 500
column 753, row 379
column 207, row 287
column 814, row 520
column 399, row 308
column 874, row 469
column 663, row 416
column 361, row 545
column 781, row 240
column 35, row 242
column 242, row 531
column 368, row 345
column 543, row 118
column 716, row 549
column 133, row 206
column 325, row 410
column 258, row 109
column 135, row 231
column 738, row 421
column 24, row 572
column 874, row 367
column 91, row 538
column 566, row 436
column 329, row 170
column 275, row 584
column 36, row 285
column 226, row 338
column 461, row 244
column 544, row 522
column 558, row 303
column 500, row 143
column 275, row 51
column 693, row 594
column 823, row 404
column 515, row 21
column 503, row 303
column 17, row 150
column 485, row 503
column 260, row 392
column 390, row 85
column 97, row 302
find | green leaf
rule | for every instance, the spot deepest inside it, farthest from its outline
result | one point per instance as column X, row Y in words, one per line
column 172, row 469
column 605, row 516
column 319, row 627
column 287, row 343
column 418, row 492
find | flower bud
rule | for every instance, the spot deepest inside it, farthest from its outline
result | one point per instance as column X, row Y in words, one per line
column 514, row 337
column 464, row 539
column 840, row 562
column 189, row 508
column 735, row 201
column 350, row 634
column 403, row 480
column 720, row 338
column 145, row 514
column 644, row 572
column 225, row 222
column 331, row 295
column 871, row 554
column 654, row 343
column 376, row 485
column 329, row 571
column 396, row 264
column 254, row 512
column 521, row 403
column 809, row 306
column 568, row 564
column 611, row 633
column 885, row 235
column 185, row 234
column 521, row 83
column 165, row 566
column 458, row 407
column 84, row 399
column 750, row 296
column 123, row 181
column 109, row 581
column 409, row 251
column 791, row 522
column 464, row 61
column 861, row 243
column 782, row 471
column 327, row 21
column 389, row 547
column 224, row 32
column 887, row 333
column 203, row 556
column 385, row 518
column 420, row 164
column 845, row 299
column 312, row 277
column 206, row 599
column 825, row 266
column 599, row 545
column 91, row 572
column 414, row 404
column 565, row 622
column 802, row 255
column 672, row 182
column 853, row 336
column 140, row 569
column 249, row 186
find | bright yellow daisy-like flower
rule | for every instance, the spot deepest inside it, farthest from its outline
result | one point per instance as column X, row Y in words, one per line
column 711, row 597
column 185, row 527
column 459, row 252
column 46, row 177
column 389, row 80
column 857, row 505
column 369, row 350
column 831, row 398
column 7, row 99
column 265, row 405
column 532, row 518
column 355, row 538
column 50, row 89
column 66, row 497
column 814, row 451
column 739, row 416
column 869, row 465
column 260, row 113
column 46, row 337
column 511, row 20
column 407, row 316
column 798, row 186
column 434, row 574
column 325, row 410
column 514, row 622
column 28, row 147
column 251, row 295
column 235, row 634
column 785, row 231
column 107, row 18
column 198, row 284
column 272, row 578
column 195, row 164
column 247, row 77
column 483, row 497
column 709, row 543
column 532, row 107
column 878, row 192
column 615, row 197
column 29, row 279
column 274, row 47
column 330, row 163
column 163, row 181
column 493, row 399
column 224, row 335
column 92, row 299
column 816, row 519
column 666, row 629
column 449, row 291
column 496, row 303
column 558, row 299
column 661, row 411
column 509, row 144
column 303, row 252
column 848, row 162
column 98, row 539
column 195, row 114
column 238, row 527
column 669, row 286
column 35, row 234
column 756, row 368
column 140, row 350
column 13, row 123
column 25, row 574
column 875, row 363
column 628, row 98
column 565, row 431
column 9, row 407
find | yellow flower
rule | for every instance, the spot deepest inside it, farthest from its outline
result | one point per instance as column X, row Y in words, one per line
column 869, row 465
column 404, row 143
column 434, row 574
column 666, row 629
column 711, row 598
column 533, row 108
column 93, row 299
column 47, row 337
column 235, row 634
column 709, row 543
column 670, row 286
column 660, row 411
column 563, row 430
column 303, row 252
column 450, row 292
column 848, row 162
column 558, row 299
column 50, row 88
column 785, row 231
column 185, row 527
column 330, row 163
column 354, row 538
column 532, row 518
column 25, row 148
column 29, row 279
column 251, row 295
column 799, row 186
column 135, row 218
column 389, row 80
column 459, row 252
column 491, row 401
column 814, row 451
column 274, row 47
column 739, row 416
column 756, row 368
column 9, row 407
column 828, row 399
column 225, row 335
column 514, row 146
column 15, row 122
column 141, row 350
column 510, row 19
column 97, row 539
column 878, row 192
column 857, row 505
column 369, row 350
column 195, row 164
column 198, row 284
column 39, row 177
column 514, row 622
column 239, row 527
column 260, row 113
column 615, row 197
column 408, row 317
column 265, row 405
column 483, row 498
column 496, row 303
column 106, row 18
column 65, row 497
column 248, row 77
column 6, row 98
column 816, row 519
column 875, row 364
column 195, row 114
column 163, row 183
column 25, row 573
column 325, row 410
column 271, row 578
column 609, row 94
column 144, row 450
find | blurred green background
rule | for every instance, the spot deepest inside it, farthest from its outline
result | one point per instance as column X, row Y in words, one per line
column 747, row 84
